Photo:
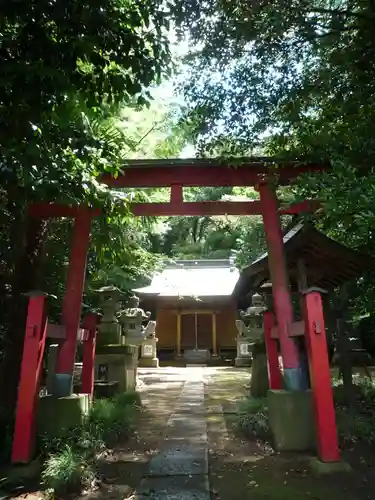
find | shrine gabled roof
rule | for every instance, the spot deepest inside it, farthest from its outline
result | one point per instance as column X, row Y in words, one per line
column 193, row 278
column 327, row 262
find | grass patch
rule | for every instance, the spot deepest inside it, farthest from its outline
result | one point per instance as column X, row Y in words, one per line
column 252, row 418
column 355, row 425
column 111, row 419
column 67, row 471
column 71, row 458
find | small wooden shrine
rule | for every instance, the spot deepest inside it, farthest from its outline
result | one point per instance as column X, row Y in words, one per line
column 192, row 303
column 312, row 259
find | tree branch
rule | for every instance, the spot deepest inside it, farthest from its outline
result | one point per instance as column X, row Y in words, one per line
column 339, row 12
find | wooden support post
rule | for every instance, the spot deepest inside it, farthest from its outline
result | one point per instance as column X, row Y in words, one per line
column 178, row 333
column 28, row 391
column 325, row 418
column 302, row 286
column 280, row 289
column 177, row 194
column 274, row 374
column 71, row 311
column 90, row 322
column 53, row 351
column 214, row 336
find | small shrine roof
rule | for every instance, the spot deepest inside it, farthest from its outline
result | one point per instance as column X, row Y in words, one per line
column 327, row 263
column 194, row 278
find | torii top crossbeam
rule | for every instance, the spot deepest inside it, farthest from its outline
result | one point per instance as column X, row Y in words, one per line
column 212, row 172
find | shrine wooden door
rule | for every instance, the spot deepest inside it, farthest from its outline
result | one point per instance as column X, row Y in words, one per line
column 204, row 331
column 196, row 331
column 188, row 331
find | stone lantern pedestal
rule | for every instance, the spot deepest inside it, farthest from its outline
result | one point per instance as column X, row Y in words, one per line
column 115, row 363
column 115, row 368
column 149, row 353
column 243, row 350
column 109, row 327
column 251, row 350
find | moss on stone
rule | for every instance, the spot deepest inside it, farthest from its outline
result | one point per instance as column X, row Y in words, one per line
column 117, row 349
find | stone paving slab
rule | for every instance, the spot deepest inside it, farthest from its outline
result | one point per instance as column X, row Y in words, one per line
column 174, row 488
column 191, row 408
column 181, row 427
column 192, row 397
column 180, row 470
column 180, row 458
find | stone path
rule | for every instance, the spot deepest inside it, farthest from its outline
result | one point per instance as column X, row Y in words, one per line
column 180, row 470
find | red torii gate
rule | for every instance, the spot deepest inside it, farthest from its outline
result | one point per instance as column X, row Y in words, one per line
column 177, row 174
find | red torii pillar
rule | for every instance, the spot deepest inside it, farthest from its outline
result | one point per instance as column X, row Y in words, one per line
column 281, row 294
column 71, row 310
column 274, row 374
column 325, row 418
column 31, row 369
column 90, row 322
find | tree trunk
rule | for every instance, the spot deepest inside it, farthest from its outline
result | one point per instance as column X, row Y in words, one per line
column 345, row 366
column 27, row 276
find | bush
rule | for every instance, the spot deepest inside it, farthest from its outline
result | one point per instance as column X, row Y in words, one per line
column 128, row 398
column 71, row 457
column 82, row 439
column 111, row 419
column 66, row 471
column 252, row 418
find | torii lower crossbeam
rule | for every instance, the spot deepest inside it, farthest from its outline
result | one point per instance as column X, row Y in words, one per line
column 210, row 208
column 179, row 208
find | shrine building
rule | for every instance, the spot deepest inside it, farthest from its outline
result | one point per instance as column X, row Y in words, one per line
column 193, row 304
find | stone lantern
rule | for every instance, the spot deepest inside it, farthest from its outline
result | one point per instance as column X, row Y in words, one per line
column 109, row 328
column 250, row 329
column 132, row 319
column 252, row 326
column 115, row 363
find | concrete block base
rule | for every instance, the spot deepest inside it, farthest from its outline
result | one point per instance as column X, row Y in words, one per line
column 318, row 467
column 241, row 362
column 149, row 362
column 291, row 418
column 56, row 415
column 21, row 473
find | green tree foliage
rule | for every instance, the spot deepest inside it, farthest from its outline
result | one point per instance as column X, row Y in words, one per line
column 65, row 69
column 292, row 79
column 59, row 62
column 157, row 131
column 217, row 237
column 301, row 71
